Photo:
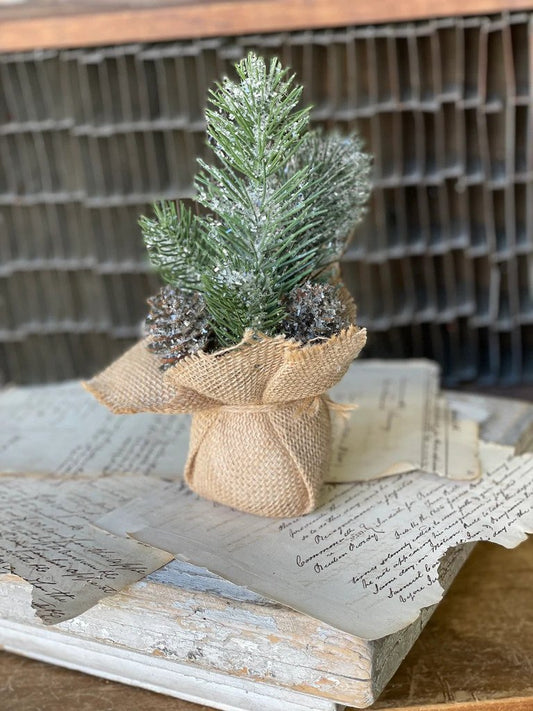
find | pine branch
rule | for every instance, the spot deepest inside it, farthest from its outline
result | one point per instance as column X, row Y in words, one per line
column 263, row 228
column 253, row 127
column 341, row 167
column 175, row 246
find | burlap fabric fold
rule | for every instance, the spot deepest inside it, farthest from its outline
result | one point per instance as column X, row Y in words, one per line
column 261, row 431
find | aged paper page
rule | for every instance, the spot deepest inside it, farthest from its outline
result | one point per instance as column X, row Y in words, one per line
column 400, row 424
column 87, row 439
column 451, row 445
column 366, row 561
column 62, row 434
column 45, row 538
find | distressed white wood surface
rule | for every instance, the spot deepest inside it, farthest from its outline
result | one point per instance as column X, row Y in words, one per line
column 258, row 643
column 157, row 674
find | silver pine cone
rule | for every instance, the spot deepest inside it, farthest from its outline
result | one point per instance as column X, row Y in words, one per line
column 314, row 310
column 177, row 325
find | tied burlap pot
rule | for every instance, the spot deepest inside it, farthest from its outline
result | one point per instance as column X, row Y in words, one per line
column 261, row 433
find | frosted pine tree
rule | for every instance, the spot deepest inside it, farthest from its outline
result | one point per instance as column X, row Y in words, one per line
column 279, row 203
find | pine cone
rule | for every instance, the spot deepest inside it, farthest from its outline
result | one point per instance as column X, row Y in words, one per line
column 314, row 311
column 178, row 325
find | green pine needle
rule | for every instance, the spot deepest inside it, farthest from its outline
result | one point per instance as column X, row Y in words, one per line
column 175, row 246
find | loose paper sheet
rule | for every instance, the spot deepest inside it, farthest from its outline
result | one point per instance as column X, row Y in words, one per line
column 400, row 424
column 45, row 538
column 62, row 430
column 366, row 561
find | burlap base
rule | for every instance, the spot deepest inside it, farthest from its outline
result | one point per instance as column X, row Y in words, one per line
column 260, row 438
column 265, row 462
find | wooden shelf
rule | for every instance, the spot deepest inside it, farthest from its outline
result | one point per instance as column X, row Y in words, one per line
column 40, row 24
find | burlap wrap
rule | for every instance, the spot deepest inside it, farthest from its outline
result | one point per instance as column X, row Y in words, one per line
column 260, row 437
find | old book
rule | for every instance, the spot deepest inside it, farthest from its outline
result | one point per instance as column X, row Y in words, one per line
column 188, row 633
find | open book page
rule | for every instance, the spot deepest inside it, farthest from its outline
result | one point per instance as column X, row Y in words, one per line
column 366, row 561
column 45, row 538
column 400, row 424
column 62, row 430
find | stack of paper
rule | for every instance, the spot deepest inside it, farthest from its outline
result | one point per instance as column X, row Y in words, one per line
column 92, row 502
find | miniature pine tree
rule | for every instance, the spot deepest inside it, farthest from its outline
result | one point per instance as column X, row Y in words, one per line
column 280, row 202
